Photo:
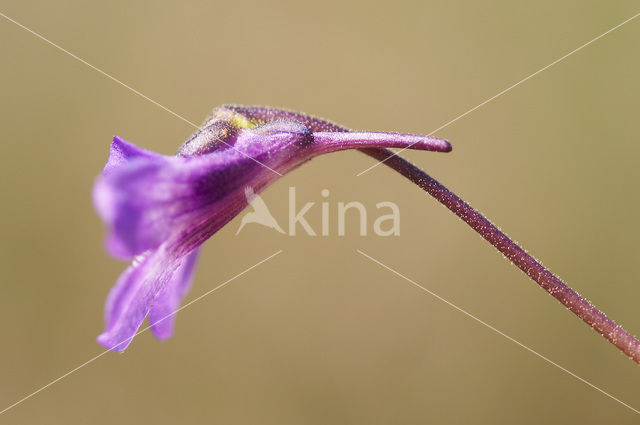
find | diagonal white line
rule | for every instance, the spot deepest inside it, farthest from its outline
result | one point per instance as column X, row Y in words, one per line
column 109, row 76
column 138, row 333
column 496, row 330
column 98, row 70
column 560, row 59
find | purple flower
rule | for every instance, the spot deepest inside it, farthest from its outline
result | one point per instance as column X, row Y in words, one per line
column 160, row 209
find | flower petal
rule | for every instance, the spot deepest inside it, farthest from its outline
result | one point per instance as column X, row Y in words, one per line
column 162, row 315
column 124, row 285
column 146, row 200
column 122, row 152
column 131, row 299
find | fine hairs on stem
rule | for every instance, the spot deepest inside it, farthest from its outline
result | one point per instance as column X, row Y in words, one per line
column 606, row 327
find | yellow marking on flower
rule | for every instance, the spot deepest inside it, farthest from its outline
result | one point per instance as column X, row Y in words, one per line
column 233, row 118
column 240, row 121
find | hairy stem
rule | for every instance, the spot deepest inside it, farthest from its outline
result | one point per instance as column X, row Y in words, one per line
column 518, row 256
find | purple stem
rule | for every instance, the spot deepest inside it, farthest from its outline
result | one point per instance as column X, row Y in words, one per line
column 518, row 256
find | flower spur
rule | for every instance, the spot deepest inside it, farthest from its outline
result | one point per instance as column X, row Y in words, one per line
column 160, row 209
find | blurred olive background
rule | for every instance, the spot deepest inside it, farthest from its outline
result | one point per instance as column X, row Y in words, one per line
column 320, row 334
